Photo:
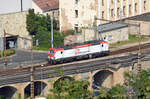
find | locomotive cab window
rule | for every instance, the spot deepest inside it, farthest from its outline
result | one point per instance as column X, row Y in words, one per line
column 102, row 45
column 51, row 52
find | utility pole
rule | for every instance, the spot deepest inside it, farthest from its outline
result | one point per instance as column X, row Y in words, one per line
column 21, row 6
column 5, row 58
column 31, row 68
column 1, row 41
column 52, row 39
column 32, row 73
column 139, row 66
column 139, row 53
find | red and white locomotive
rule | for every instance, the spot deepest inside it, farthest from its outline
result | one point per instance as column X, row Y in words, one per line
column 88, row 49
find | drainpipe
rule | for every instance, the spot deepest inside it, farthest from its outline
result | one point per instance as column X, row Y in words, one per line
column 21, row 6
column 99, row 12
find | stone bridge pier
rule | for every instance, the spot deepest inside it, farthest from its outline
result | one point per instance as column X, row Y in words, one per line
column 97, row 78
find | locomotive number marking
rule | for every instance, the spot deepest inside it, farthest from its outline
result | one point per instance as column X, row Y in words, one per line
column 77, row 51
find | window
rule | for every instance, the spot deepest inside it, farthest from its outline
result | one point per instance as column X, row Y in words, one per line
column 118, row 0
column 76, row 13
column 110, row 37
column 76, row 1
column 76, row 28
column 118, row 11
column 124, row 10
column 102, row 14
column 102, row 2
column 144, row 5
column 130, row 9
column 112, row 12
column 51, row 52
column 135, row 9
column 112, row 1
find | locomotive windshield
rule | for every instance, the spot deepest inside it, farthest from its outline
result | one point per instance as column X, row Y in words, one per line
column 51, row 52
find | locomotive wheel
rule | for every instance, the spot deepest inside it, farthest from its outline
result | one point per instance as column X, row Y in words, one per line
column 53, row 62
column 61, row 61
column 50, row 61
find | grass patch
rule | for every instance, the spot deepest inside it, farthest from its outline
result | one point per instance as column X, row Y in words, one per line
column 40, row 48
column 8, row 52
column 132, row 39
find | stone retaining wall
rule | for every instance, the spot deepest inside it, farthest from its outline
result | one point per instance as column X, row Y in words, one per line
column 15, row 24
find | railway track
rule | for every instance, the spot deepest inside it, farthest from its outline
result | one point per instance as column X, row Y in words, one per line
column 37, row 68
column 128, row 60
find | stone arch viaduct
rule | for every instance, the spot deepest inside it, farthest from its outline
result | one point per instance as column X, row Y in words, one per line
column 100, row 77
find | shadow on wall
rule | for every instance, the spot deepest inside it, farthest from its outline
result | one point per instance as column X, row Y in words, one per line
column 99, row 78
column 38, row 89
column 7, row 92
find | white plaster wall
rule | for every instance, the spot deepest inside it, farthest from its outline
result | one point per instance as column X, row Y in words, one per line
column 86, row 12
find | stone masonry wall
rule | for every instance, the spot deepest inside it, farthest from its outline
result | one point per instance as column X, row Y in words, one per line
column 90, row 34
column 15, row 24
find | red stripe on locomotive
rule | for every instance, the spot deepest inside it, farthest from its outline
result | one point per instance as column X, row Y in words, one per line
column 55, row 50
column 104, row 42
column 80, row 46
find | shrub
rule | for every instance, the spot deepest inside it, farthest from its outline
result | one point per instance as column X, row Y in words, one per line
column 40, row 26
column 8, row 52
column 70, row 32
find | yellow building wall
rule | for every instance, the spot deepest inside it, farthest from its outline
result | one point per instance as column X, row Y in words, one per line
column 124, row 8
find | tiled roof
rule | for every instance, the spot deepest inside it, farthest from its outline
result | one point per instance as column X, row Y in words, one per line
column 47, row 4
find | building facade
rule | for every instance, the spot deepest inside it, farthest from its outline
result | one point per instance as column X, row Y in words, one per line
column 75, row 14
column 118, row 9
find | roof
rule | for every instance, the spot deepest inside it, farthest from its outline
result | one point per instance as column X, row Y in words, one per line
column 141, row 17
column 110, row 26
column 114, row 25
column 47, row 4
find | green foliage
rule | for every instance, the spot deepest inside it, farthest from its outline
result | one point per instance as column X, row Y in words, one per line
column 103, row 93
column 69, row 88
column 40, row 26
column 116, row 92
column 140, row 83
column 19, row 96
column 72, row 89
column 132, row 37
column 8, row 52
column 70, row 32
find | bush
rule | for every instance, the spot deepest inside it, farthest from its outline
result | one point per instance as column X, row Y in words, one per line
column 40, row 26
column 132, row 37
column 70, row 32
column 8, row 53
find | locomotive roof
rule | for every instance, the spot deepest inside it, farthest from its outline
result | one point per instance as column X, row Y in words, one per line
column 94, row 42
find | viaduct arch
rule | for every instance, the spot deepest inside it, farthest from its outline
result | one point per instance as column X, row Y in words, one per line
column 105, row 77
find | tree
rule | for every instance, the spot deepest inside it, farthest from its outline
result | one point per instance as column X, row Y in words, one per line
column 69, row 89
column 116, row 92
column 139, row 83
column 40, row 26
